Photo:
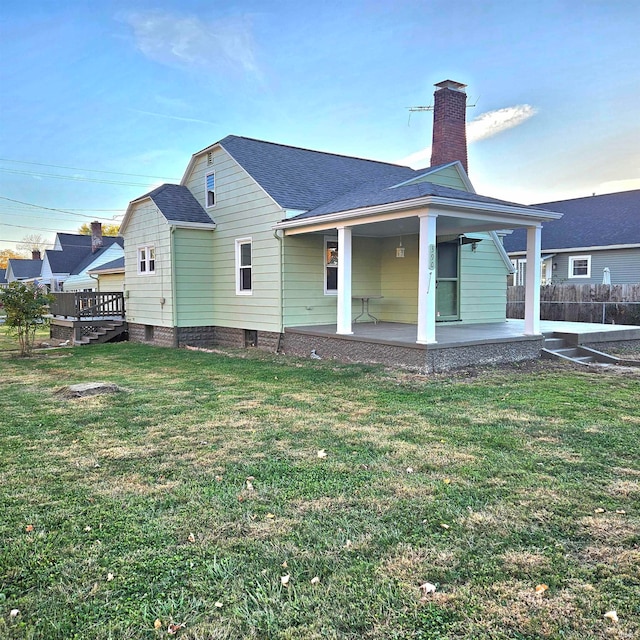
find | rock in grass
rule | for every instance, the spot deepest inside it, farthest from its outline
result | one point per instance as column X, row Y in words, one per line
column 88, row 389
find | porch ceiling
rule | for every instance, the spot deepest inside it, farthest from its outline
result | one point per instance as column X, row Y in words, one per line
column 407, row 226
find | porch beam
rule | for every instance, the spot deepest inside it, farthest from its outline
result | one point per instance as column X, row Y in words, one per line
column 532, row 282
column 343, row 323
column 427, row 280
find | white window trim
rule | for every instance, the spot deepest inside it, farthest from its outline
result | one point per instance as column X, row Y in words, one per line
column 239, row 243
column 572, row 260
column 206, row 190
column 146, row 271
column 328, row 292
column 519, row 275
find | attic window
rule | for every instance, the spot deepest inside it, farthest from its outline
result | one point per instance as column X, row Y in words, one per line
column 210, row 157
column 211, row 189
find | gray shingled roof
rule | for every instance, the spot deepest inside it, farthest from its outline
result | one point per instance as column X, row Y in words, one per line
column 593, row 221
column 91, row 257
column 74, row 254
column 380, row 192
column 64, row 261
column 304, row 179
column 74, row 239
column 24, row 269
column 178, row 204
column 109, row 266
column 3, row 276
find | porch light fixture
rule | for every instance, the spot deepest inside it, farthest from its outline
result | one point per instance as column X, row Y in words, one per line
column 464, row 239
column 400, row 249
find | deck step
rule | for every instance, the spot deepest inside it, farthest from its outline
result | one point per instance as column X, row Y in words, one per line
column 105, row 333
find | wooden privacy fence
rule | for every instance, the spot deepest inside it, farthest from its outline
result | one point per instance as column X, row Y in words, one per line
column 609, row 304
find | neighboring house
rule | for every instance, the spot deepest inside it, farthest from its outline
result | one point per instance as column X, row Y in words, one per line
column 65, row 266
column 594, row 234
column 3, row 278
column 110, row 275
column 82, row 278
column 261, row 237
column 23, row 270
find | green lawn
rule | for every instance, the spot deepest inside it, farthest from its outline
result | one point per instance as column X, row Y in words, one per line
column 193, row 493
column 9, row 342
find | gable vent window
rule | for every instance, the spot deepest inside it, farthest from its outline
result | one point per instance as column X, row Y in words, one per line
column 210, row 157
column 211, row 189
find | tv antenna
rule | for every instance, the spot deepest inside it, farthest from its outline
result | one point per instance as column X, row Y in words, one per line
column 430, row 108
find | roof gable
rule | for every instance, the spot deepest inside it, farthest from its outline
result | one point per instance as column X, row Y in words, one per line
column 105, row 253
column 176, row 204
column 594, row 221
column 23, row 269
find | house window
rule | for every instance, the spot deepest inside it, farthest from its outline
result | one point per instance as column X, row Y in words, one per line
column 146, row 260
column 210, row 182
column 330, row 265
column 579, row 266
column 244, row 264
column 520, row 276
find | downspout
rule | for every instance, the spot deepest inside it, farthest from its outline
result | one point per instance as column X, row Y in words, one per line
column 174, row 309
column 97, row 279
column 279, row 238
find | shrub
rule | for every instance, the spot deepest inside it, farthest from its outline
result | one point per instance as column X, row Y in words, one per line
column 26, row 307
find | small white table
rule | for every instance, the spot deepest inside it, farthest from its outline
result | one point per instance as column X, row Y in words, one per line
column 365, row 307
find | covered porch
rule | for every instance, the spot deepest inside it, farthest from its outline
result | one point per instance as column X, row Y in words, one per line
column 457, row 345
column 466, row 283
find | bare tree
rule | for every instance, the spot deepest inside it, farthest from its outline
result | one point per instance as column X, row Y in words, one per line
column 32, row 242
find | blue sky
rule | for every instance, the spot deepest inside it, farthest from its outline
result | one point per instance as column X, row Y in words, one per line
column 102, row 101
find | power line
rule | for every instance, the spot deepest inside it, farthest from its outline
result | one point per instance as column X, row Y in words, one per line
column 20, row 226
column 39, row 206
column 73, row 178
column 115, row 173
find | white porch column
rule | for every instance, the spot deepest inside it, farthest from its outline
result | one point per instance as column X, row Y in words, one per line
column 532, row 283
column 427, row 280
column 344, row 281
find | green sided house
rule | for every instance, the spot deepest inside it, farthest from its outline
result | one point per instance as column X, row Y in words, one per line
column 285, row 248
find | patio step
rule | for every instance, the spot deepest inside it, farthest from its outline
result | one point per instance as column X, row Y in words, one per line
column 557, row 349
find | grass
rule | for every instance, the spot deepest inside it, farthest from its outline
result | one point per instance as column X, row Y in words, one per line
column 9, row 342
column 120, row 510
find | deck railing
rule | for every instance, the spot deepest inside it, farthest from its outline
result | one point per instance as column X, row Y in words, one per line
column 88, row 304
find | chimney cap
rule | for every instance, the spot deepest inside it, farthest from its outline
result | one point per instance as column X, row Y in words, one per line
column 451, row 84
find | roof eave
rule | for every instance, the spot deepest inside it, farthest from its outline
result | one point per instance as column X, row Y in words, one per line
column 179, row 224
column 524, row 213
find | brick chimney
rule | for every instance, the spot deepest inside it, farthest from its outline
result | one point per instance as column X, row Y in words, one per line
column 449, row 124
column 35, row 254
column 96, row 236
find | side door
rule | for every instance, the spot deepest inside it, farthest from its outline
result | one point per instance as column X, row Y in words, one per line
column 448, row 282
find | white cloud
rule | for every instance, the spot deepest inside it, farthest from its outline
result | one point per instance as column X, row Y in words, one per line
column 613, row 186
column 189, row 42
column 489, row 124
column 486, row 125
